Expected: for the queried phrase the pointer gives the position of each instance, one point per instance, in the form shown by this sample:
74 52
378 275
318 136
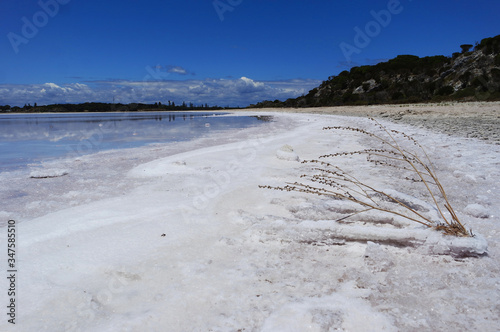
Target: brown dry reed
332 181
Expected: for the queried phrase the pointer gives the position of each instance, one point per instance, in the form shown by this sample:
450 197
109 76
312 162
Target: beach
180 237
472 119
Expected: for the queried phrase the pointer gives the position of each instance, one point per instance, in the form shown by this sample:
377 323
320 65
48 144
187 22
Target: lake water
31 138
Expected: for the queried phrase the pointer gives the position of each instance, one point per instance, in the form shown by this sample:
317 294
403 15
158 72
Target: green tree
466 47
445 90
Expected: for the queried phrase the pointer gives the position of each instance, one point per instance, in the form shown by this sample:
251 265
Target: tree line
108 107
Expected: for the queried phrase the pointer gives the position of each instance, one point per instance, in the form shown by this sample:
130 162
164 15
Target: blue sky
224 52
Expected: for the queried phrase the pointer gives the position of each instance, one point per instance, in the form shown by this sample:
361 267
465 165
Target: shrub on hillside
445 90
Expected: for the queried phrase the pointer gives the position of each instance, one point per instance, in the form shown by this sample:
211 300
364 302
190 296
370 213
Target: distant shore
466 119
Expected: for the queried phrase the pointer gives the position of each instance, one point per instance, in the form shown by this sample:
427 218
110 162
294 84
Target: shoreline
479 120
475 119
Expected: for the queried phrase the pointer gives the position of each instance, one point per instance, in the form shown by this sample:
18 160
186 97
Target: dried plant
332 181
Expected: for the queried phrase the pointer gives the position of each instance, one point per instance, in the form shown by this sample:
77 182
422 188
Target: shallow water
32 138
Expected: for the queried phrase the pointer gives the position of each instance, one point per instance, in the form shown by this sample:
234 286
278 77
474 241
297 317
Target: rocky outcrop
465 76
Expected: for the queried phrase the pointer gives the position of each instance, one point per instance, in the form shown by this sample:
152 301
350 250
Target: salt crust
188 242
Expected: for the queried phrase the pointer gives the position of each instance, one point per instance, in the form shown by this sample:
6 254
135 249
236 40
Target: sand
471 119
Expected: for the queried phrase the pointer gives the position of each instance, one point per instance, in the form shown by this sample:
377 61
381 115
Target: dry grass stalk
332 181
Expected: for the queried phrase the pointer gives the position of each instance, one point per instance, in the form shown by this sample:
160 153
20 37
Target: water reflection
27 138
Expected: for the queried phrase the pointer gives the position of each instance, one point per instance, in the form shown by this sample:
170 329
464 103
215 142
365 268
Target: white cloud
177 70
223 92
246 85
52 86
